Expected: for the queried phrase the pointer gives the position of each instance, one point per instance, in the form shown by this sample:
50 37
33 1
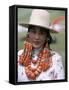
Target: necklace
42 63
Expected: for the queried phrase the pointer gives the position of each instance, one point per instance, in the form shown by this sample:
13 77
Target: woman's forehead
37 28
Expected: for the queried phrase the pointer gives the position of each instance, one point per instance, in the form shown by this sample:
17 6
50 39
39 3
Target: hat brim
27 26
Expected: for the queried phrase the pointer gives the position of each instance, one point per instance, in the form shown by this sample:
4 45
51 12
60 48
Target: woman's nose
37 36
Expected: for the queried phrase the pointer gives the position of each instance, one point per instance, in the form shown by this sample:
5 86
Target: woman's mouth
36 42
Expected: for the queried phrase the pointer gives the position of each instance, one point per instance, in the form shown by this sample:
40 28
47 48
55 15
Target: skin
37 37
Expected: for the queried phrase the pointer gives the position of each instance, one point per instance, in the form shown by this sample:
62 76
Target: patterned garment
56 72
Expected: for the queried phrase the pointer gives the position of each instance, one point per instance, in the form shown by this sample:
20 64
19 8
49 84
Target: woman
37 61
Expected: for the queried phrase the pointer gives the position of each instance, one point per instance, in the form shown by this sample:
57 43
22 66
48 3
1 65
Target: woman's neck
37 50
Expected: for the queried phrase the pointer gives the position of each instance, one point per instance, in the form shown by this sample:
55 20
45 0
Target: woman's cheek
43 38
31 36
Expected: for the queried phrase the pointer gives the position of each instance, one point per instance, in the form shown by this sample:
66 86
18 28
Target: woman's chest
46 75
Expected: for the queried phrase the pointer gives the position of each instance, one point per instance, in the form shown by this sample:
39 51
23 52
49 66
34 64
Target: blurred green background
59 46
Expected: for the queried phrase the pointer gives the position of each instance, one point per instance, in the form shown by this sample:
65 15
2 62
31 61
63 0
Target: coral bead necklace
33 68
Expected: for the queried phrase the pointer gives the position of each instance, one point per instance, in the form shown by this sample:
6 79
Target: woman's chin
36 46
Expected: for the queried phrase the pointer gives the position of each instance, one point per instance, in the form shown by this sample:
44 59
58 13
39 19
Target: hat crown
40 17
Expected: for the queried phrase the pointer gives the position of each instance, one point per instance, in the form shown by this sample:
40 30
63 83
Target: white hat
39 18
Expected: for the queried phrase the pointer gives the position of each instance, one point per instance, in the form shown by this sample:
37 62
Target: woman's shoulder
56 55
57 60
20 52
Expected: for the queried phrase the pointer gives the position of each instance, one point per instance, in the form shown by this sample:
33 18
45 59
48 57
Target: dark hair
49 37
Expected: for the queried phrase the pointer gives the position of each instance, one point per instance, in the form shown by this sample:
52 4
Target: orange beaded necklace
43 62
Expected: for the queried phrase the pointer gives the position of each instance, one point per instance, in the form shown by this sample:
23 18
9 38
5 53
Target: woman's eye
43 33
33 31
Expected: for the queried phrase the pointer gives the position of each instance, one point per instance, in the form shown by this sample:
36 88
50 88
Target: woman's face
37 37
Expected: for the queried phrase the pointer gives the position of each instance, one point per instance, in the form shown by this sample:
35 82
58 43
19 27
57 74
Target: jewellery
42 63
